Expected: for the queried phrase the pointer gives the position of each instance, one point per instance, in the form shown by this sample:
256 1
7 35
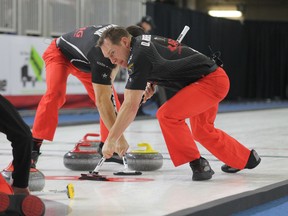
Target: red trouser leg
199 102
58 68
57 71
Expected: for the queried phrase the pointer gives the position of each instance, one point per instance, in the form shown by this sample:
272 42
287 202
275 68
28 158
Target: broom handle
183 33
125 162
100 163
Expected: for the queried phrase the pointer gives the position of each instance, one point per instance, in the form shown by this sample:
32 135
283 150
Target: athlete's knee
164 116
58 97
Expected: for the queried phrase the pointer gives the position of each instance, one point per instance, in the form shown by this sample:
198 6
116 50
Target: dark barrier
267 59
255 54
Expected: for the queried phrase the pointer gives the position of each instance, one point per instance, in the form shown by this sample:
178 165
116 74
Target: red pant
58 68
199 102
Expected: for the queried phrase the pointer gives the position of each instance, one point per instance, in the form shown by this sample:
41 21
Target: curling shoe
20 204
201 169
253 161
115 158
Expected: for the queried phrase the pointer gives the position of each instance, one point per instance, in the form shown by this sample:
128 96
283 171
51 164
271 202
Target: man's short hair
114 34
135 30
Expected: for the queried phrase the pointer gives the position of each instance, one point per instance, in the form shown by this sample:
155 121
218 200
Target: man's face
118 54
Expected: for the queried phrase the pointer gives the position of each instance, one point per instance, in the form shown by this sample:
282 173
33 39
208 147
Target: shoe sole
203 176
4 202
21 204
226 169
33 206
229 169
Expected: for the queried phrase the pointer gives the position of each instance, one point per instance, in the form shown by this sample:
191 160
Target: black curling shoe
201 169
253 161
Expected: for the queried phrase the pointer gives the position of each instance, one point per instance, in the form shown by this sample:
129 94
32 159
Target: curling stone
36 178
84 156
86 143
144 160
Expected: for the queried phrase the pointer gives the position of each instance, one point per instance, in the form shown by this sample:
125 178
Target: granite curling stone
144 160
84 156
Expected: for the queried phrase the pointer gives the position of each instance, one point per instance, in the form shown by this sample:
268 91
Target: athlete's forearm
104 104
126 114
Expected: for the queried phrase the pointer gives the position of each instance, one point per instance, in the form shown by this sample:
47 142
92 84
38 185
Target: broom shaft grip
100 163
183 33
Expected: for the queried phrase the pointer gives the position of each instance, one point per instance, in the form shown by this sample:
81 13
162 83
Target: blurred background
251 35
